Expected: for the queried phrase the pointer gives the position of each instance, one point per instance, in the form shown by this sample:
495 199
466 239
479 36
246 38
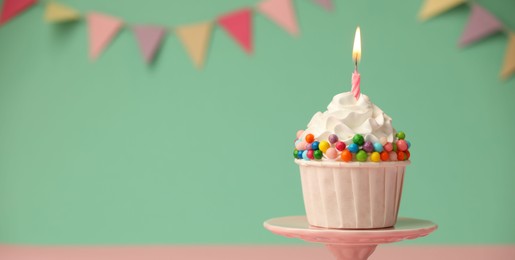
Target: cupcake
352 164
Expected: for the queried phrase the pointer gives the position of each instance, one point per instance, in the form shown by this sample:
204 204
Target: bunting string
481 24
103 28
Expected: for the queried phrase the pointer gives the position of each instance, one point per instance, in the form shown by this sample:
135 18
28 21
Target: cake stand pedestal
350 244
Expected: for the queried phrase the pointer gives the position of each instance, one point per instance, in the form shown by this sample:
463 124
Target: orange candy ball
346 156
385 156
401 156
310 138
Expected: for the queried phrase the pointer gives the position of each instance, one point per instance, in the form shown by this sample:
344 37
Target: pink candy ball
301 145
310 155
308 147
387 147
340 146
331 153
393 156
299 133
402 145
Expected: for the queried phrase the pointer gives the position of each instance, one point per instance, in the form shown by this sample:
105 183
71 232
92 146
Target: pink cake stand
350 244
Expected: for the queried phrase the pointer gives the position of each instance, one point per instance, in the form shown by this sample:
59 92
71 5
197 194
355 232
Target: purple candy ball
368 147
333 138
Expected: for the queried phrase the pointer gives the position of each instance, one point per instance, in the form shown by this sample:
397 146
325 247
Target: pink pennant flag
102 29
481 24
326 4
12 8
281 12
149 39
238 25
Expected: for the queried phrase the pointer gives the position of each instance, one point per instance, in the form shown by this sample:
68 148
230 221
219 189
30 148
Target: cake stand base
350 244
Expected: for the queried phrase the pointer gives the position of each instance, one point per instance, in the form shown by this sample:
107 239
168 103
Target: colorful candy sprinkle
385 156
375 157
401 156
361 156
358 139
333 138
388 147
401 135
310 138
340 146
393 156
314 145
378 147
346 156
318 154
299 155
310 155
295 153
323 146
409 144
408 155
402 145
305 155
353 148
331 153
368 147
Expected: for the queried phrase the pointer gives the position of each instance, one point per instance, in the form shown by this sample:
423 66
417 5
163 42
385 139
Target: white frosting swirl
346 116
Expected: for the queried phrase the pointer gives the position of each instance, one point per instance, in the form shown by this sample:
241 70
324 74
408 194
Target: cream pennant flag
56 12
195 39
432 8
102 29
509 59
282 13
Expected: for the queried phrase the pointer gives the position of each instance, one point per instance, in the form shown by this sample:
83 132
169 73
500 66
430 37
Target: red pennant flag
481 24
12 8
102 29
281 12
238 25
149 39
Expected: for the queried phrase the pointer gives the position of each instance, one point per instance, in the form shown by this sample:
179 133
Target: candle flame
356 50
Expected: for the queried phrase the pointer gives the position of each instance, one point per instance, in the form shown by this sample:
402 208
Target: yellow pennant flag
56 13
432 8
195 39
509 59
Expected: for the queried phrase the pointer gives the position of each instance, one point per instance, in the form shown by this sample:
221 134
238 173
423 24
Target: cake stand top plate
298 227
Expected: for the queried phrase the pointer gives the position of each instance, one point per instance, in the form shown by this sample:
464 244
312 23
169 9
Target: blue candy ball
353 148
299 154
378 147
305 155
314 145
409 143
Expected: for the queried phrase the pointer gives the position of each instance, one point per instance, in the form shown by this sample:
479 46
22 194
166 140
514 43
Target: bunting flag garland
238 25
149 39
326 4
195 39
102 29
12 8
481 24
509 60
435 7
281 12
56 13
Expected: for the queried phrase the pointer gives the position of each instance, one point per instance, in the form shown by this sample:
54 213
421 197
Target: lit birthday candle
356 56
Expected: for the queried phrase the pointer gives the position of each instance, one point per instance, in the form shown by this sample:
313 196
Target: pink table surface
233 252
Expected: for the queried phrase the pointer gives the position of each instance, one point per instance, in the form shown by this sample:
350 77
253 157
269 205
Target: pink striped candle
356 56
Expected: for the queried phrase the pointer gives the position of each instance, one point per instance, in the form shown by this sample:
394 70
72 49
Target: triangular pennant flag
196 40
238 25
56 12
509 59
281 12
481 24
102 29
12 8
432 8
327 4
149 39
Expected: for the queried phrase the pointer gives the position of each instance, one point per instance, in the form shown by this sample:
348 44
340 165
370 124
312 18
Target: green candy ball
361 156
358 139
295 153
318 154
401 135
394 146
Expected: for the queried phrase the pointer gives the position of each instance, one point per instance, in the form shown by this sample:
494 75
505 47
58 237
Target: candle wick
356 62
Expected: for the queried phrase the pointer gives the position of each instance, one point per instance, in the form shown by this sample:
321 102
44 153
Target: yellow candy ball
375 157
323 146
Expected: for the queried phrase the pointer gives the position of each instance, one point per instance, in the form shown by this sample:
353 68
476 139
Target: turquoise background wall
116 152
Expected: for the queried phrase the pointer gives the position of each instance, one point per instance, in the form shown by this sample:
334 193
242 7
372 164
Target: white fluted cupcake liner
354 195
